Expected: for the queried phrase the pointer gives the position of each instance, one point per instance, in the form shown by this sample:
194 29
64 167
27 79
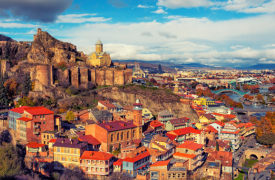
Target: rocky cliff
154 100
46 49
11 49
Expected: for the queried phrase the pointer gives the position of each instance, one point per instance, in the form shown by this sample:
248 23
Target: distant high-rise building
160 71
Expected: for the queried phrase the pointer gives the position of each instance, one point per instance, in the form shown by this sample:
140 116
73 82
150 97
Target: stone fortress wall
79 77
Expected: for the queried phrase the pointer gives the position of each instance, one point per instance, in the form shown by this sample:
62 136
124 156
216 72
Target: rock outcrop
150 102
11 49
46 49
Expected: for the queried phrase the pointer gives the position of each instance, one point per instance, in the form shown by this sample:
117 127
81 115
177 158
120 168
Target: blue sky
219 33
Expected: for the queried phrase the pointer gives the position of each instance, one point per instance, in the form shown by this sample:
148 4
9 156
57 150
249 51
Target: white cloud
144 6
248 6
269 45
199 39
159 11
262 59
18 25
80 18
236 47
184 3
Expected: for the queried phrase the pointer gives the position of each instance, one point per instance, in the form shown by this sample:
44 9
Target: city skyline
233 33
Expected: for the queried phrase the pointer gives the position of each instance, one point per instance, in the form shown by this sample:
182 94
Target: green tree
4 101
70 116
10 162
267 139
217 146
27 85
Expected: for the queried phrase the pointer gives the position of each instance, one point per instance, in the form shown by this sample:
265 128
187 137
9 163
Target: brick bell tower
137 112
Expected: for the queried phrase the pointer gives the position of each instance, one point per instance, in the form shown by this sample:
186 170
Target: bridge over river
251 111
240 93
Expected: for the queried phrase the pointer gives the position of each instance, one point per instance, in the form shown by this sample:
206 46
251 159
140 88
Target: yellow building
204 102
67 153
99 58
146 113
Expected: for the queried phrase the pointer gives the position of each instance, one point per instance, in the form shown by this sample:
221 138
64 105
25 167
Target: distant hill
260 66
6 38
169 66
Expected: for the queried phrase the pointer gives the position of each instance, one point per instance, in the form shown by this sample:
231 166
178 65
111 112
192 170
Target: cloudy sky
233 33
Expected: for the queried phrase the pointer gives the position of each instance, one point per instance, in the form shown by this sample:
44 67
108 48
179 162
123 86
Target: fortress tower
137 114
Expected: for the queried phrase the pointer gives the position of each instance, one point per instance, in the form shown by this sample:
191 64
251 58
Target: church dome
137 101
98 42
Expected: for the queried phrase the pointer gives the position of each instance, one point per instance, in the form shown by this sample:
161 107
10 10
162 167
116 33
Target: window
63 158
117 136
44 122
40 117
112 138
127 134
121 136
134 133
58 149
74 151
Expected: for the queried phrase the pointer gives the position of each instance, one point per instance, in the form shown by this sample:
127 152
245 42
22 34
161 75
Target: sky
231 33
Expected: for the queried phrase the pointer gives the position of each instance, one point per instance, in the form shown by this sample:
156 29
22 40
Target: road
241 150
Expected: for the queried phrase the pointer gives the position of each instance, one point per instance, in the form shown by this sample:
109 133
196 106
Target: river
236 98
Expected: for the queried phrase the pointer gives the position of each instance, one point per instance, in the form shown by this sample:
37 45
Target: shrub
72 90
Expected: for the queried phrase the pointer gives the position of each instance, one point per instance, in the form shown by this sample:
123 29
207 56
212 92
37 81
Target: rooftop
19 109
96 155
38 111
117 125
190 145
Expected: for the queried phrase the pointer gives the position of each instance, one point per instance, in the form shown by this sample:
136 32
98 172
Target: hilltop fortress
44 55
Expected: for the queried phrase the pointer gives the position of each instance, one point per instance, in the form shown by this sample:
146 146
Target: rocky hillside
46 49
6 38
155 100
13 50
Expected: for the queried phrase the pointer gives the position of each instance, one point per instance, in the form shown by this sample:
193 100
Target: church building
99 58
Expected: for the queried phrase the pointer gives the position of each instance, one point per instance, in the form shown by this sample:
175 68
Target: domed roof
137 101
98 42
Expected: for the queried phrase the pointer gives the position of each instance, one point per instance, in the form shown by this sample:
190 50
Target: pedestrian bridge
251 111
240 93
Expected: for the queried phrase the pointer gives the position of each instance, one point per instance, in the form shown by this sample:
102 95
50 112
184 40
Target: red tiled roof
190 145
184 155
186 130
19 109
38 110
118 162
210 129
136 158
24 119
34 145
52 141
171 136
219 123
156 123
96 155
161 163
117 125
90 139
107 104
179 120
209 116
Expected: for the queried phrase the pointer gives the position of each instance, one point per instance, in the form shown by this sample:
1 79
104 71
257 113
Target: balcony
36 132
36 126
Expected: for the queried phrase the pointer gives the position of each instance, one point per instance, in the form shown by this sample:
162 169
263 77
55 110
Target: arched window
127 134
117 136
112 138
134 133
121 136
